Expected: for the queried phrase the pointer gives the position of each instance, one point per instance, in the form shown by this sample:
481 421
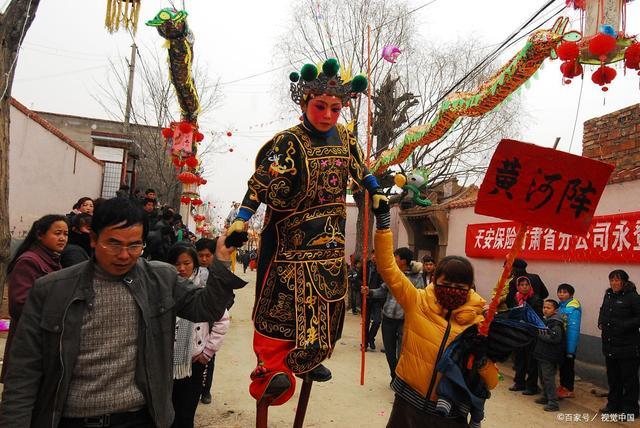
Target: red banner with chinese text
544 187
611 238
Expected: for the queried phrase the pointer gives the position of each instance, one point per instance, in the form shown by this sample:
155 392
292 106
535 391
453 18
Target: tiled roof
52 129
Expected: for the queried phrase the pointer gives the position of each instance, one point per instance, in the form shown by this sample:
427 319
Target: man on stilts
302 176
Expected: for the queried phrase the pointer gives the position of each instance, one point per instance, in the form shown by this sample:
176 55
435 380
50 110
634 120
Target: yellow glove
377 199
238 225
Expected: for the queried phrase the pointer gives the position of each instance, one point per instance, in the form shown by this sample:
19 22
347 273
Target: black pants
622 376
374 319
206 385
392 340
185 397
526 368
404 415
567 373
354 298
547 372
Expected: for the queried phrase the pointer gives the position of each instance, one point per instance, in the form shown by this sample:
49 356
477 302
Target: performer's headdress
309 82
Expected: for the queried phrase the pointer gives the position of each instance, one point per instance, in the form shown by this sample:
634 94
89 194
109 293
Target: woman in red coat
38 255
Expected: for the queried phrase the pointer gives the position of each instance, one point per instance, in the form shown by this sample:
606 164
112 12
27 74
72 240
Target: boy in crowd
571 313
549 352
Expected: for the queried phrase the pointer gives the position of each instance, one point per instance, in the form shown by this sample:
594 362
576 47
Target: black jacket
550 344
619 320
48 337
534 301
536 283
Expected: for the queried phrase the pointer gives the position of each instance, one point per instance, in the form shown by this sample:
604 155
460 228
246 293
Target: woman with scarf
447 310
38 255
526 377
195 344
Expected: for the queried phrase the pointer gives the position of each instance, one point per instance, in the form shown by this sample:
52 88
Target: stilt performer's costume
302 175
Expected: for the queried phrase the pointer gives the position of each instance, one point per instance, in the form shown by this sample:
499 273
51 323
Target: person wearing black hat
520 269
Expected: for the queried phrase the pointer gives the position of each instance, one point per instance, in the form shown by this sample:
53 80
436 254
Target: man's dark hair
146 192
555 304
455 269
80 220
149 200
167 214
405 254
115 211
206 244
428 259
568 288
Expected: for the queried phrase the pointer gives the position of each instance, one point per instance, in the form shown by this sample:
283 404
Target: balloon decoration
391 53
122 13
414 183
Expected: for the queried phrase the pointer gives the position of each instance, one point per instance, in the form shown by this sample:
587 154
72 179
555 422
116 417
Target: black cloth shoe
516 387
607 409
279 384
372 345
319 374
531 392
205 399
541 400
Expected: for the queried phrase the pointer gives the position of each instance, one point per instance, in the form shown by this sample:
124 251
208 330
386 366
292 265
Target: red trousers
271 354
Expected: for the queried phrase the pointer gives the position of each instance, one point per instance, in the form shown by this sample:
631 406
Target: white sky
66 51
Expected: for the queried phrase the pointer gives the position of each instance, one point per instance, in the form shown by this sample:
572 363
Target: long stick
506 272
365 240
303 401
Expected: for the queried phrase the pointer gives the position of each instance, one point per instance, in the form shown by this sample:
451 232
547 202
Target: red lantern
185 127
632 56
229 134
601 44
198 218
570 69
198 136
185 200
203 181
176 161
568 51
187 178
603 76
231 149
167 132
196 202
191 162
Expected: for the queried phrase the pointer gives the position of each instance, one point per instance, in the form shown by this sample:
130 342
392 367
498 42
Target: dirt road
342 402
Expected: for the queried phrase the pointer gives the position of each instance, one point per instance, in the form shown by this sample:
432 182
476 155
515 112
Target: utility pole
127 115
132 69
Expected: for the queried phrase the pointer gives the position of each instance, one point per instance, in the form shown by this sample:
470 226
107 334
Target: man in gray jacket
94 347
392 312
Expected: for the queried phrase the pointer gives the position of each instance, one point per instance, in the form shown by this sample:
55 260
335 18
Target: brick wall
614 138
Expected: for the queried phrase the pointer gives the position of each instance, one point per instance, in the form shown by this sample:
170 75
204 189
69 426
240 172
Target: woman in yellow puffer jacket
434 317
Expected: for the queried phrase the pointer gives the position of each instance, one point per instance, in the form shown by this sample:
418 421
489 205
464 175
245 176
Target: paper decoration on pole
172 25
542 187
414 183
123 13
611 239
391 53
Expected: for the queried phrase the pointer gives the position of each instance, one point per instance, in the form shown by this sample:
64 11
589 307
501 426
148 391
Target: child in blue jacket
571 313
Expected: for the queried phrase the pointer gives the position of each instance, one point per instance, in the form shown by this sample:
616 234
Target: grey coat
392 308
48 337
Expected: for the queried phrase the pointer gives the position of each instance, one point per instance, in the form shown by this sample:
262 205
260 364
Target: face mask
451 298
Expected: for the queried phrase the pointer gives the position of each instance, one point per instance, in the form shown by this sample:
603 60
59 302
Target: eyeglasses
114 249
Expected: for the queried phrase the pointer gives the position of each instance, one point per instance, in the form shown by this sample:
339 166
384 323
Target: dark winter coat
550 345
534 301
538 286
619 321
48 339
31 265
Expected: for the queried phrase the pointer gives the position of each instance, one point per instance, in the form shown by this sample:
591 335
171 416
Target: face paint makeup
323 112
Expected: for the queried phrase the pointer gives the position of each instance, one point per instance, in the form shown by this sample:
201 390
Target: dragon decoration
122 13
182 137
599 49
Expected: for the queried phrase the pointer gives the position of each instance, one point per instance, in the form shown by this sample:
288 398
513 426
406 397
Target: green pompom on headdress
328 82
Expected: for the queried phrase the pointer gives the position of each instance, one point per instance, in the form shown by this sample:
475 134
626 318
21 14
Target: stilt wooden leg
303 401
262 413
